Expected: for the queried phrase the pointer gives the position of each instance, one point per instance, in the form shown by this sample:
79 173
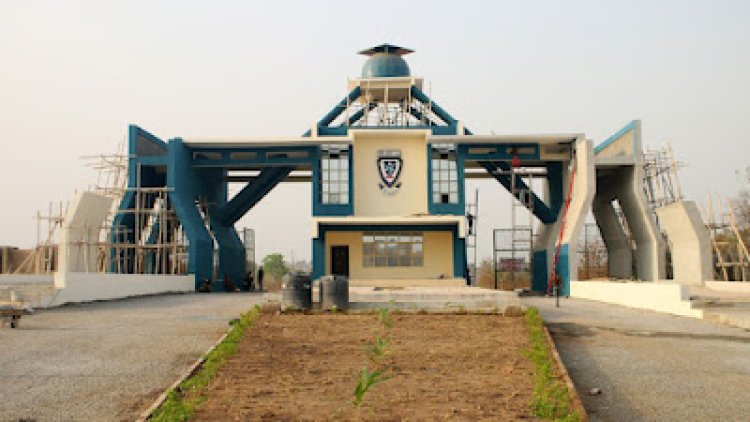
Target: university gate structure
387 167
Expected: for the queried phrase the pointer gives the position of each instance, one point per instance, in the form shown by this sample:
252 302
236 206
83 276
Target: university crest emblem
389 168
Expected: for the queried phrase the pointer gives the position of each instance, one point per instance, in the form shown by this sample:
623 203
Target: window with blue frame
334 175
444 174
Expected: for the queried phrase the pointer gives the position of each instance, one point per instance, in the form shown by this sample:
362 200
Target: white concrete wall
80 232
25 279
87 287
623 147
669 298
36 290
729 286
690 242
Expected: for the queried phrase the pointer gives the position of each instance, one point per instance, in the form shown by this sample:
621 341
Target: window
398 249
334 175
444 174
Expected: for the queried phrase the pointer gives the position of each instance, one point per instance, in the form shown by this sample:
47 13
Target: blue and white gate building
387 167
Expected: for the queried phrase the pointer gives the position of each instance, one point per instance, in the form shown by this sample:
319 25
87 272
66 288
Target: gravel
108 360
650 366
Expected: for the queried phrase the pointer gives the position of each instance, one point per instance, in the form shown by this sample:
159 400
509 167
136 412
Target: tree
274 265
741 206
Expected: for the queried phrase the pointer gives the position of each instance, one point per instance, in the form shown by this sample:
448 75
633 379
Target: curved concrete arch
619 164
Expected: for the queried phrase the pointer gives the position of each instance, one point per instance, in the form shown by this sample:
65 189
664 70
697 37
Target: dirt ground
302 367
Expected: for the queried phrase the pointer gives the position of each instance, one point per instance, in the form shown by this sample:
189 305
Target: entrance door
340 260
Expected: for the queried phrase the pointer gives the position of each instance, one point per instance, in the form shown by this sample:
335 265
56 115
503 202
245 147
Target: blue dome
385 65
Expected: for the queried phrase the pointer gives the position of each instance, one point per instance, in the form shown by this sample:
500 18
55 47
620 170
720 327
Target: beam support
436 109
340 107
251 194
537 206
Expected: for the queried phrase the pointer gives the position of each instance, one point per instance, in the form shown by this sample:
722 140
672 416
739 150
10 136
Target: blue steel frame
200 173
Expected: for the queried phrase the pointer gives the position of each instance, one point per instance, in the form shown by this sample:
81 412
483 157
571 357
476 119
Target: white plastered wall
79 233
411 197
88 287
671 298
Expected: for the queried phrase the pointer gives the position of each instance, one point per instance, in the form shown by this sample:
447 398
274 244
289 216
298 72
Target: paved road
109 360
651 366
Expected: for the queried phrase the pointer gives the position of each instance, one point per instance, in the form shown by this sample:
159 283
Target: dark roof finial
386 48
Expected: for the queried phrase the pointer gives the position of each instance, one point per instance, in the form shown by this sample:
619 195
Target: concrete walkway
650 366
108 360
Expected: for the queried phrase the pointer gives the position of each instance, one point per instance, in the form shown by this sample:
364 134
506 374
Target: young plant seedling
379 349
367 380
384 316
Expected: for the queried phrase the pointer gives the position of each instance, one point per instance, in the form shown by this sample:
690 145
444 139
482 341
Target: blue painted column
563 270
319 254
540 276
231 249
184 187
459 255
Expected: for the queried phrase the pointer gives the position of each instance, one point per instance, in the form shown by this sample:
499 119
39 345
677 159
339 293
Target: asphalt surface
110 360
650 366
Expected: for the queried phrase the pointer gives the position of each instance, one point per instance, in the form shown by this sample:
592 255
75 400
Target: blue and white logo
389 168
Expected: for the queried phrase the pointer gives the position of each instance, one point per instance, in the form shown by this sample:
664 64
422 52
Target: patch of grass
182 401
551 397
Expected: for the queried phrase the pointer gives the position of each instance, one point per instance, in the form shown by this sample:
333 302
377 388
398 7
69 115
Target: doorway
340 260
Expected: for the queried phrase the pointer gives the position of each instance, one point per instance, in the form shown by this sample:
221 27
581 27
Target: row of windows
392 249
334 175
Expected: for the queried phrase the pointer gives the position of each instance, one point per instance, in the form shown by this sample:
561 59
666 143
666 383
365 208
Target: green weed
367 380
551 397
384 316
377 353
181 402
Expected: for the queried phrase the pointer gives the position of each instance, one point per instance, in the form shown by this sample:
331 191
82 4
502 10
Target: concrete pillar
619 253
650 252
584 189
689 240
184 189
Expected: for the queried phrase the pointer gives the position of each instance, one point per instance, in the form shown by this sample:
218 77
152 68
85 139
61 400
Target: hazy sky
74 74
